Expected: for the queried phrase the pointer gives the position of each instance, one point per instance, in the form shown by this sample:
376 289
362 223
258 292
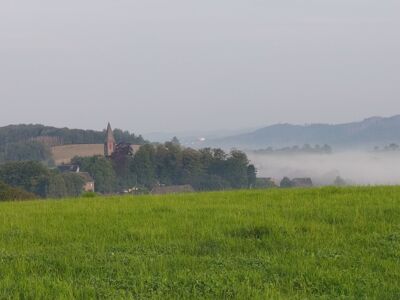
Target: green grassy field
280 244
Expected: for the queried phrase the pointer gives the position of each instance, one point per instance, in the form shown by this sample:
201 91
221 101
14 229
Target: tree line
169 164
24 151
36 179
152 165
22 133
393 147
305 149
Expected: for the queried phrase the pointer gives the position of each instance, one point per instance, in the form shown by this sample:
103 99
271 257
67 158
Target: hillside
36 142
368 133
278 244
65 136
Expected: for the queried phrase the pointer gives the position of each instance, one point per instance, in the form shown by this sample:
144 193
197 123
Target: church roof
110 134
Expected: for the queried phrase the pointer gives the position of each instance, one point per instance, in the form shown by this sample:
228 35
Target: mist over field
355 167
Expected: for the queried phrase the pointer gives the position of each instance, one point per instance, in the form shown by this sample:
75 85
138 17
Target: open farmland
64 154
282 244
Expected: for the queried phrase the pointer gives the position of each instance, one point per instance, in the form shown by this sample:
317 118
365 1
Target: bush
339 181
265 183
31 176
286 183
89 195
8 193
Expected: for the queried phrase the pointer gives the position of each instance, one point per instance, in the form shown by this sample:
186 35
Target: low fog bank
357 168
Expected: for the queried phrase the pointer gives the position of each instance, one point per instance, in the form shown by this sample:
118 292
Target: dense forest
23 151
32 142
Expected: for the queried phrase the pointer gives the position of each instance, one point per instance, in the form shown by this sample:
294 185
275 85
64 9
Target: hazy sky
177 65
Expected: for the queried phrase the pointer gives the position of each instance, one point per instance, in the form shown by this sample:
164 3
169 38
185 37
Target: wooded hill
31 142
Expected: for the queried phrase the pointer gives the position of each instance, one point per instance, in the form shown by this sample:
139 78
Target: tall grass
282 244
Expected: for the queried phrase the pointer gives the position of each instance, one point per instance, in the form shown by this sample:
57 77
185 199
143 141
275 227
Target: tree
31 176
8 193
127 137
101 170
64 185
24 151
251 176
24 133
73 183
286 183
339 181
205 169
264 183
169 163
217 162
192 168
175 141
209 182
236 169
122 159
327 149
35 178
57 187
144 166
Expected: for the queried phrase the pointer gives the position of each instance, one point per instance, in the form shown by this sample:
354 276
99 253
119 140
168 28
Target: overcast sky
178 65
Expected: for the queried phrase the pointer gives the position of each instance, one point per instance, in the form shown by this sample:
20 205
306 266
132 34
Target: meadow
320 243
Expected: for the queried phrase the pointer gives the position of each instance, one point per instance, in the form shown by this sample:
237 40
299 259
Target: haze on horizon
197 65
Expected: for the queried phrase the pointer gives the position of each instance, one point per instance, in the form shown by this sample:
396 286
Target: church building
109 144
63 154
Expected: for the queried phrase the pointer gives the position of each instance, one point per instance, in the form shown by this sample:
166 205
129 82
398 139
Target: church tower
109 144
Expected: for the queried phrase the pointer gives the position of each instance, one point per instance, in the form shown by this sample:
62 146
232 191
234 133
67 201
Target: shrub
286 183
8 193
89 195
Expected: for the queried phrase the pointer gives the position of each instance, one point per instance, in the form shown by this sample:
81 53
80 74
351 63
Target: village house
69 168
88 181
302 182
266 182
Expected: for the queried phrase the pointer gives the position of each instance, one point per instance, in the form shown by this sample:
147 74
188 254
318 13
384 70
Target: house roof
68 168
86 176
302 182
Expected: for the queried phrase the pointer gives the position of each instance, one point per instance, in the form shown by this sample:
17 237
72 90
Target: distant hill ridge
374 131
28 132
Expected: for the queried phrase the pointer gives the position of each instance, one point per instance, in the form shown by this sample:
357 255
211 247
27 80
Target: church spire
110 134
109 145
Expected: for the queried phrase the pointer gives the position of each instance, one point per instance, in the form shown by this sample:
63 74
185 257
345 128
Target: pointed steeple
110 134
109 144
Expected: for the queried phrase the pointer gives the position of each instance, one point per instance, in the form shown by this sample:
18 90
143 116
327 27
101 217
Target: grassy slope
250 244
